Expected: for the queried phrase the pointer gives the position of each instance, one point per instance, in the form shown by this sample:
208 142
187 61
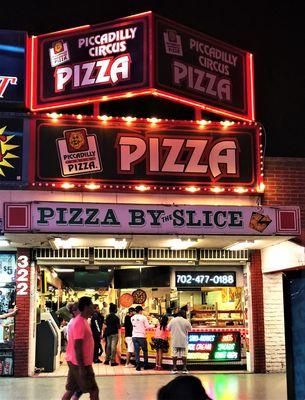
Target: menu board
7 268
214 346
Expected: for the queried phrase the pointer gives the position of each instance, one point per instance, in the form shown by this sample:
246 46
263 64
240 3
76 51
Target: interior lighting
54 115
104 118
68 185
59 243
92 186
4 243
142 188
153 120
63 270
192 189
79 116
261 187
118 244
245 245
179 244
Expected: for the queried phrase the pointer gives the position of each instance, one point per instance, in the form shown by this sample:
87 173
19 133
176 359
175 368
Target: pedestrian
112 335
74 311
160 341
80 351
182 388
96 323
179 328
104 309
139 326
9 314
128 336
64 312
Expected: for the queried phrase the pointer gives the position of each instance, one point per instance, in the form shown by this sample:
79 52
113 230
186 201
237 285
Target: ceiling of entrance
141 241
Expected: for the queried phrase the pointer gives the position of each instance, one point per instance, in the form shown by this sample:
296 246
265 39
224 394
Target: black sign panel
195 66
171 153
12 68
13 150
86 64
205 279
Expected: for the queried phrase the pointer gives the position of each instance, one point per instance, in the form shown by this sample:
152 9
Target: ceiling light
63 270
4 243
67 185
179 244
142 188
245 245
92 186
59 243
192 189
118 244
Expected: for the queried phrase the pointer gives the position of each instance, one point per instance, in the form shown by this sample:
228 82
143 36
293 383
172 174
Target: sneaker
185 371
138 368
129 366
174 371
106 362
97 361
114 364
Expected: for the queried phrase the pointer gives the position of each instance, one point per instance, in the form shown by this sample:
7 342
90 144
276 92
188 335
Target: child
160 341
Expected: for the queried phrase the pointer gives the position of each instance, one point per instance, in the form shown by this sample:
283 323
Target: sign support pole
96 109
198 115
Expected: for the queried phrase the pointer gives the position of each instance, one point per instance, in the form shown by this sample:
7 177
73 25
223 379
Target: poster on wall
171 153
84 64
6 363
12 68
194 66
14 133
7 268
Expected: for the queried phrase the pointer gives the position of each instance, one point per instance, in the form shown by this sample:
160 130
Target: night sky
272 30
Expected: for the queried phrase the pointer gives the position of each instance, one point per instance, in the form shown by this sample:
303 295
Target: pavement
219 386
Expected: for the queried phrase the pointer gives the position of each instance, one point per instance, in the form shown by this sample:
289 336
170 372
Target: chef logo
172 43
59 53
259 222
78 153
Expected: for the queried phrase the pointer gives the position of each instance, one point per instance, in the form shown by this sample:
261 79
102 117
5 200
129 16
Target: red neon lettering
4 82
227 338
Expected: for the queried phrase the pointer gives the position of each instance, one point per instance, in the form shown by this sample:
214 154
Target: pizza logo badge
59 53
5 151
173 44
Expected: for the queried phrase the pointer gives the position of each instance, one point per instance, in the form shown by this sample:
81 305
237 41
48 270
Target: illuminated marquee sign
14 134
204 70
85 64
140 55
174 154
206 278
12 68
214 346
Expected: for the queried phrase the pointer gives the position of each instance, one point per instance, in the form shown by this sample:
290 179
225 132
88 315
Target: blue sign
12 68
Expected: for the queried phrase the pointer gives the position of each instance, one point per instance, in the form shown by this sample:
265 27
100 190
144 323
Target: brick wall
285 185
22 319
256 279
274 322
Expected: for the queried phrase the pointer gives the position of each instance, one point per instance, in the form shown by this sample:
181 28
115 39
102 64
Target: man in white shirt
139 326
179 327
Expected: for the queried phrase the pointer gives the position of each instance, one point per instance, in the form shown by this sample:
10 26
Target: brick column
22 319
256 278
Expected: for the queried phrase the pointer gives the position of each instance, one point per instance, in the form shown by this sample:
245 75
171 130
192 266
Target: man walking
128 336
97 321
139 326
112 335
179 328
80 354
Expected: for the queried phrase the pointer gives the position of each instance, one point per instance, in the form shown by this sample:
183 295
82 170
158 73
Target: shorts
179 352
159 344
81 378
130 346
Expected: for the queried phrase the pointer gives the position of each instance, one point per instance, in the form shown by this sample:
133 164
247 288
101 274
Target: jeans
112 342
140 343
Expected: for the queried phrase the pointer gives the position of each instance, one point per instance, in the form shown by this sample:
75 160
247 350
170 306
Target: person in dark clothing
112 335
97 322
183 387
128 336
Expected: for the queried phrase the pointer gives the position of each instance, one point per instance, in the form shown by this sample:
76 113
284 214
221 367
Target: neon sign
218 346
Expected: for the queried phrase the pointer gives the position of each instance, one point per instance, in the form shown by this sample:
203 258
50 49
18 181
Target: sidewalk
144 387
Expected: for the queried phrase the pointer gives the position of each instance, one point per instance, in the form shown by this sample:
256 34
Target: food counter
222 347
